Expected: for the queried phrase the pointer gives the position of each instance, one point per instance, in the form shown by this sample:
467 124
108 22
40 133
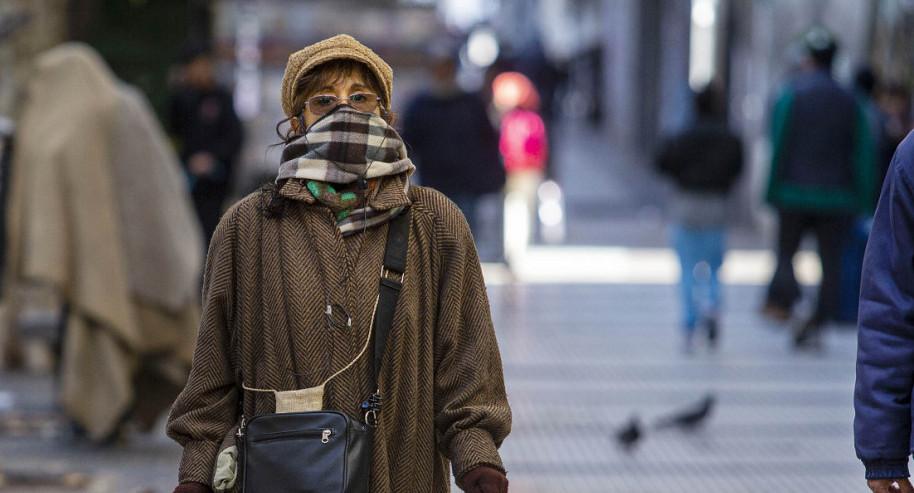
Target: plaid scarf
343 145
338 149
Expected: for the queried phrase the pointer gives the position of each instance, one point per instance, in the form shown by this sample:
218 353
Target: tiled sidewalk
580 360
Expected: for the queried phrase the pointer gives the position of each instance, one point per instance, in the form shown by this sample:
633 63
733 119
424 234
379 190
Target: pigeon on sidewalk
689 418
629 435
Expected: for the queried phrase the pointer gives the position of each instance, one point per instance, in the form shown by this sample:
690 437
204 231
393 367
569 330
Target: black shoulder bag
325 451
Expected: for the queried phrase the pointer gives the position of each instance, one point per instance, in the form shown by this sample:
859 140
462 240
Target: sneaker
808 336
711 326
776 312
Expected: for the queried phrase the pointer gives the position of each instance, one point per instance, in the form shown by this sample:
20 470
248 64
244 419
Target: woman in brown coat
284 257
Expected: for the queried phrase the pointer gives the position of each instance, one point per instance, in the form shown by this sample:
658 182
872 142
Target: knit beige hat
340 46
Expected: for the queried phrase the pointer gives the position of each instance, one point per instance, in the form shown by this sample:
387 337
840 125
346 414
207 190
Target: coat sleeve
472 415
780 128
885 349
864 162
207 407
413 128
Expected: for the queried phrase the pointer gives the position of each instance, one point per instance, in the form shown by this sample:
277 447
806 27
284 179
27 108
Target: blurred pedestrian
291 289
885 349
451 139
866 90
704 161
524 148
821 176
202 120
895 102
99 214
547 77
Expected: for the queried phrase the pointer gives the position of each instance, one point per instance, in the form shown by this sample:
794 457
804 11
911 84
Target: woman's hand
484 479
889 485
193 488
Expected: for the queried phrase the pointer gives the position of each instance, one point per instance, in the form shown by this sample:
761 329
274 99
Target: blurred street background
585 303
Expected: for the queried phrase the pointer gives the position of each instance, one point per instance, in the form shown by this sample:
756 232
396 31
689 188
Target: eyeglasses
360 101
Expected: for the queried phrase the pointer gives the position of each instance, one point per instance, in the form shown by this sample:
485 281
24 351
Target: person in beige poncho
282 256
99 213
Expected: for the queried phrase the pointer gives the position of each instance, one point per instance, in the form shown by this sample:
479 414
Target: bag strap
392 274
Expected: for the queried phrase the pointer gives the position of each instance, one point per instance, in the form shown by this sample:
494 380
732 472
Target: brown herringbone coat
264 298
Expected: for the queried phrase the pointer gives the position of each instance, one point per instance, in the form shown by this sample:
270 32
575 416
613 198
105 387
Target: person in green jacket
822 173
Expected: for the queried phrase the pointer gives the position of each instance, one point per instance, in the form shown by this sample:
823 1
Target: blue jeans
701 253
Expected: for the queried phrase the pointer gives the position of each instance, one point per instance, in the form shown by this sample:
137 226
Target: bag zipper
324 435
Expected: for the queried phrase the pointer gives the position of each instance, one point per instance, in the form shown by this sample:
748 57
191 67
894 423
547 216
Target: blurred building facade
626 65
644 45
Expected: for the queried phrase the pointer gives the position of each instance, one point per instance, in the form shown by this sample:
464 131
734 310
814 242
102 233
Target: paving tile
580 360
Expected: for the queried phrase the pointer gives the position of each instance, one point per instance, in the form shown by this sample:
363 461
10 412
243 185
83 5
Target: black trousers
832 232
209 197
